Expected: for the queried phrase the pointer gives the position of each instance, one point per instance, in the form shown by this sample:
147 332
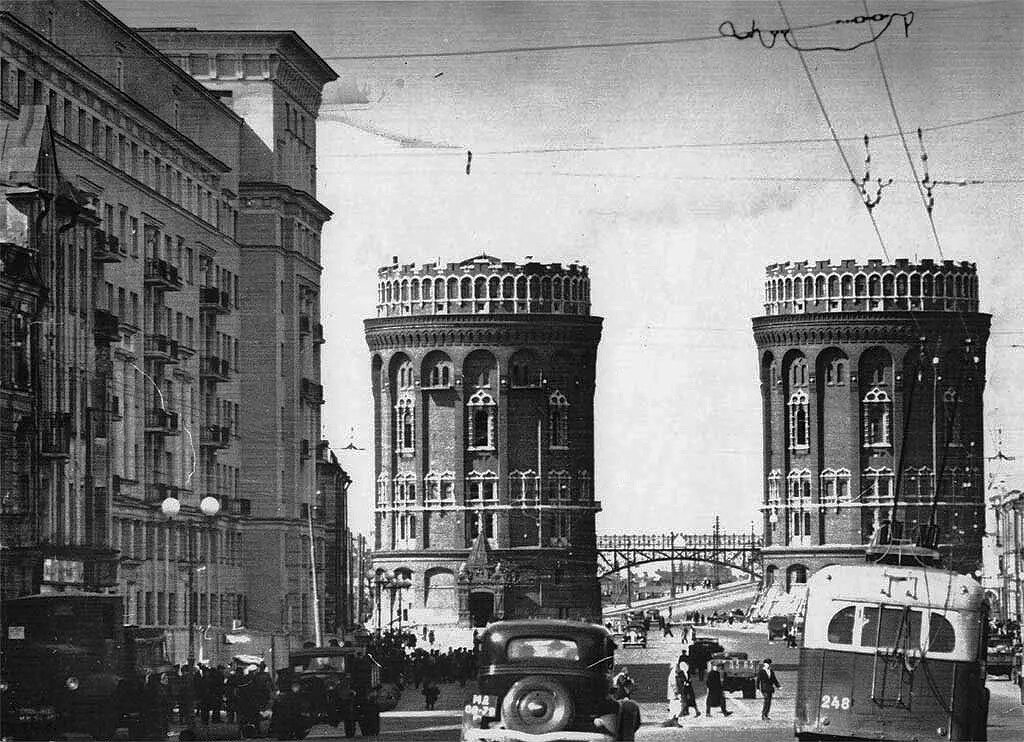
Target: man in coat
716 696
766 683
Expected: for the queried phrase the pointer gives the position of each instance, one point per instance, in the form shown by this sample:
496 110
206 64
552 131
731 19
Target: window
584 487
439 489
835 372
524 487
876 413
440 373
835 487
404 416
899 628
481 408
559 486
799 425
774 491
799 503
840 628
941 637
558 420
525 371
482 487
119 74
950 403
382 490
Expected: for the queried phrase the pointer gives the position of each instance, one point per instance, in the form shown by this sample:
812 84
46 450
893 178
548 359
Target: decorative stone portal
481 587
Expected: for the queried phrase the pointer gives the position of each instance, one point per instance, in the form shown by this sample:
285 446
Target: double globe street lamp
209 507
392 582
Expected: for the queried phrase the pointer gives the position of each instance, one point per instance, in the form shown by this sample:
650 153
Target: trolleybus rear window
899 627
840 628
940 634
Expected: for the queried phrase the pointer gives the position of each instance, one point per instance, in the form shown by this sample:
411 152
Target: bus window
899 627
940 634
840 628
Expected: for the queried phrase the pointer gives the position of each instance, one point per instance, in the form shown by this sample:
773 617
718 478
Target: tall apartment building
178 345
871 380
483 388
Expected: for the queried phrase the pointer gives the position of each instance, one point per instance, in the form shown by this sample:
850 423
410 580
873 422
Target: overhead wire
902 135
835 137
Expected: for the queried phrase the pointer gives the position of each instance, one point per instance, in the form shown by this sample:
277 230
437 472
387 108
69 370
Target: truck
71 666
738 672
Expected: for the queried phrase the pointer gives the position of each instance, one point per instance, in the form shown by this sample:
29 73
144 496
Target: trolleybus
893 651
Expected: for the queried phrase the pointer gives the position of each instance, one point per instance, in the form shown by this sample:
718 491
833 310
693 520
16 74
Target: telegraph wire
835 137
903 138
460 152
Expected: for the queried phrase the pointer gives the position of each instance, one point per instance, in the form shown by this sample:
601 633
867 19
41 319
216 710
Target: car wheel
350 727
537 705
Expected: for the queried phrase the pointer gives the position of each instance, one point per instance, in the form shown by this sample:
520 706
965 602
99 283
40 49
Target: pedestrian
666 628
623 684
767 683
675 703
629 718
716 695
430 637
687 697
431 692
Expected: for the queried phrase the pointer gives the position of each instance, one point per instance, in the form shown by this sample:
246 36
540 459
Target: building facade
483 389
177 348
871 379
1008 509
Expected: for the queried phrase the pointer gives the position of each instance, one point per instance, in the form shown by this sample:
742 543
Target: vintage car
327 685
1000 655
739 672
541 681
634 635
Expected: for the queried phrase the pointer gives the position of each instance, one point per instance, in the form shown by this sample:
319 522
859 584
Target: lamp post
209 507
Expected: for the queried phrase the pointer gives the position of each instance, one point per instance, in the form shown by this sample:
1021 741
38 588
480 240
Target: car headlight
3 686
296 687
71 683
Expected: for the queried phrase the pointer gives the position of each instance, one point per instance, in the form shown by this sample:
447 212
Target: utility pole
672 563
715 554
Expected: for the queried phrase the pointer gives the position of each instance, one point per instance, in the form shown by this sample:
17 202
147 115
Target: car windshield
523 649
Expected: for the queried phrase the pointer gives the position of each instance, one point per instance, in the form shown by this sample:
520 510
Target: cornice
865 327
481 330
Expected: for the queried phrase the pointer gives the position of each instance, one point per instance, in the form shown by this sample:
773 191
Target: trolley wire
835 137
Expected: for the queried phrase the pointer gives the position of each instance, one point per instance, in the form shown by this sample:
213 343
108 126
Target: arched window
481 412
877 415
405 377
835 487
438 370
524 487
799 504
439 488
404 416
558 420
482 487
950 406
799 426
382 490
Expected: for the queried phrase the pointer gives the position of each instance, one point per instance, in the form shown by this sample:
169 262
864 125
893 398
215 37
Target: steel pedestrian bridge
740 551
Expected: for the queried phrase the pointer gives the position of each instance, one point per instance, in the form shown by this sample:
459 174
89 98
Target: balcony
161 348
160 422
157 490
18 263
56 436
214 301
106 248
215 369
215 436
162 275
106 327
312 392
318 334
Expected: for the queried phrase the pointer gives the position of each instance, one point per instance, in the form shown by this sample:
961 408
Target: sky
676 172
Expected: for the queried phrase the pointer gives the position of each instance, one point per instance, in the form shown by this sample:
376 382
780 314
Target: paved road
410 723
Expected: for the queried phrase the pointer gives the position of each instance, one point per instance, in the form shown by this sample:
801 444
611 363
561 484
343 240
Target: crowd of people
203 694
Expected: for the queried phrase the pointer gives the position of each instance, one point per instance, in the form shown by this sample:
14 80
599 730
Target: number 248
835 702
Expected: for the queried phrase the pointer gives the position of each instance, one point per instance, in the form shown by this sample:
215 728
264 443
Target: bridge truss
740 551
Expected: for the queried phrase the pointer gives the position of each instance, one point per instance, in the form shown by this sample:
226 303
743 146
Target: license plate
481 706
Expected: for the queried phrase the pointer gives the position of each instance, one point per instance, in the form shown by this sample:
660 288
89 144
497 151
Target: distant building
871 379
483 388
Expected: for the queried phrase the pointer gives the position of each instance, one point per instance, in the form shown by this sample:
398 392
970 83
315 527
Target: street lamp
209 507
391 582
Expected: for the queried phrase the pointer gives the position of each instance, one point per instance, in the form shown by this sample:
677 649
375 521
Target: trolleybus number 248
829 701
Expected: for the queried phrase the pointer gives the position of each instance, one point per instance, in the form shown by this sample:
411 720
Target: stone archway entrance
481 608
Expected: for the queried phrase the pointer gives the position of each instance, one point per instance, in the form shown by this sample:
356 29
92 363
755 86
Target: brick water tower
871 378
483 390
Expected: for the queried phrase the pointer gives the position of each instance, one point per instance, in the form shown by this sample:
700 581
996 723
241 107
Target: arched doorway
795 575
481 608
